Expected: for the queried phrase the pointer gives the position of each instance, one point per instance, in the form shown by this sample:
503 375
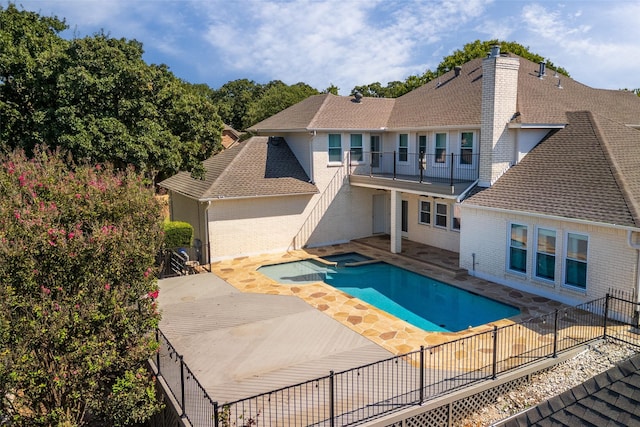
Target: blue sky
356 42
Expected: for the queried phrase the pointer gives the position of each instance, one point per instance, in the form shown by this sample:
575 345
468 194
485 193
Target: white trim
508 268
554 217
564 262
436 215
420 211
534 262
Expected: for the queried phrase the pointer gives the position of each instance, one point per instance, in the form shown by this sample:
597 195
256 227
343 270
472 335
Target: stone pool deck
391 333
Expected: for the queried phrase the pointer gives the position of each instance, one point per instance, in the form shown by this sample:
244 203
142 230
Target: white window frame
525 249
566 258
473 150
444 162
422 211
538 252
401 148
329 148
360 148
437 215
455 221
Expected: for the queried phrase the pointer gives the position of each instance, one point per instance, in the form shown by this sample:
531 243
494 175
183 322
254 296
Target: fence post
331 400
606 315
182 384
215 414
495 352
158 351
421 374
555 334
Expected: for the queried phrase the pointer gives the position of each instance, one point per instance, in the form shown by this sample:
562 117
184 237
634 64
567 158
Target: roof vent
559 84
542 71
495 51
357 97
457 69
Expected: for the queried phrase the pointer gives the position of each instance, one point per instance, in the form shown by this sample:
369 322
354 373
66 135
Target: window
375 151
403 147
441 214
356 147
576 261
425 212
455 217
405 216
441 147
335 147
546 254
422 151
466 148
518 248
422 144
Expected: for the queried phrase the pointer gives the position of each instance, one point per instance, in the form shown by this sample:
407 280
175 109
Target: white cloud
344 42
596 45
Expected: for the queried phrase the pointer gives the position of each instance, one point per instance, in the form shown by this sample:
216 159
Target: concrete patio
243 334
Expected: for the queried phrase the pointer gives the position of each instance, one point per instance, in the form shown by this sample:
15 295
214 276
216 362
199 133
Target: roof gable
586 171
330 112
258 167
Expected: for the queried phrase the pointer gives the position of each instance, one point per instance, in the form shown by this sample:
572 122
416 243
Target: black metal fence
366 392
422 167
181 261
193 401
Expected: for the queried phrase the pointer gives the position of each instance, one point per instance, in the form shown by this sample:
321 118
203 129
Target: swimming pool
429 304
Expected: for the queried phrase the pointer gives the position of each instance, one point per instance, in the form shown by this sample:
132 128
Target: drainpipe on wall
636 246
206 233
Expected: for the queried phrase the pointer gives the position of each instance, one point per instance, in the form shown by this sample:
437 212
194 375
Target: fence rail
356 395
422 167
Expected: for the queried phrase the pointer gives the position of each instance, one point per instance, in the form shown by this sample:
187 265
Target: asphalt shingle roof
452 100
589 170
611 398
253 168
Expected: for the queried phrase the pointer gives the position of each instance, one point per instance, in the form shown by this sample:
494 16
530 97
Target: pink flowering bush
77 293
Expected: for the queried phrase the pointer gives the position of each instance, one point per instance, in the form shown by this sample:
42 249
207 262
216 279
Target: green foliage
476 49
242 103
276 97
96 98
77 308
177 234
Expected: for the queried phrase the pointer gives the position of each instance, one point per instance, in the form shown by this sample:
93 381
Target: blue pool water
424 302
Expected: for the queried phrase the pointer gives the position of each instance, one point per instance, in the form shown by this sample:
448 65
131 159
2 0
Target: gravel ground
550 383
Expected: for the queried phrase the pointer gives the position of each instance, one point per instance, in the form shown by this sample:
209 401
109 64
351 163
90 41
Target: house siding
182 208
253 226
611 262
444 238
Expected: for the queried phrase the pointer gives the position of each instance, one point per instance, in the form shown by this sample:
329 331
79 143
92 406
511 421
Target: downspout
311 139
206 233
635 246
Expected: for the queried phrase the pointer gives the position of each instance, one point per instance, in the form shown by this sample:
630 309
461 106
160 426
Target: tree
77 292
233 99
30 53
473 50
96 98
276 97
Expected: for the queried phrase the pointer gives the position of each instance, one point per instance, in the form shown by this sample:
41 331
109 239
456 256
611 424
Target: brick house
533 178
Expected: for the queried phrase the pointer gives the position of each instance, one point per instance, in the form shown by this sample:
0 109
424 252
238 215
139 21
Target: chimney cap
495 51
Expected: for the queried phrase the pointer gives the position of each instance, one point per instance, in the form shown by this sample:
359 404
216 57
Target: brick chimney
499 104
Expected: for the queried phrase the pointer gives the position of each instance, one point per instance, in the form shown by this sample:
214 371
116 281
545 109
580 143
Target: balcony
441 174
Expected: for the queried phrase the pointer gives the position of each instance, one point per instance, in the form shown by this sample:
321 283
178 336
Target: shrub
77 293
177 234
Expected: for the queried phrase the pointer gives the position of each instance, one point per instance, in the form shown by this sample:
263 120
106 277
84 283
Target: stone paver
393 334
